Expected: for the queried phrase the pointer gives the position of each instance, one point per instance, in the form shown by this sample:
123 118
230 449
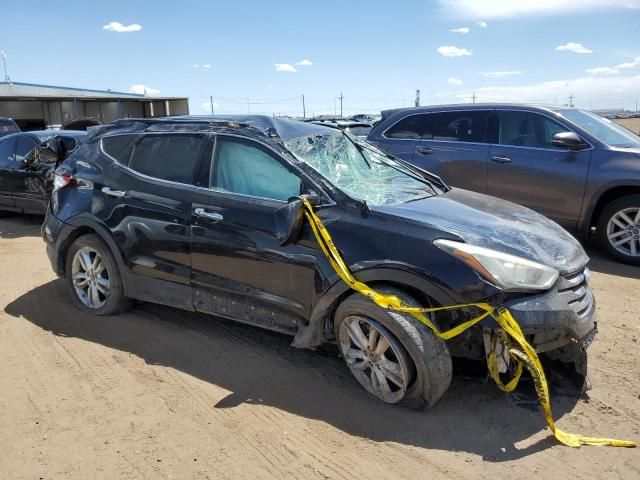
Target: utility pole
571 97
304 110
211 101
4 63
473 97
341 98
417 98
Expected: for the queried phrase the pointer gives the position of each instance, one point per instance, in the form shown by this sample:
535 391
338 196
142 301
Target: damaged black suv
202 213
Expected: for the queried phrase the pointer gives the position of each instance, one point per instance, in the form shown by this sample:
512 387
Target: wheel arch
606 195
82 227
319 330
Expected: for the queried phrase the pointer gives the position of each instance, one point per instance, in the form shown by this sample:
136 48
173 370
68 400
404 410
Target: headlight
506 271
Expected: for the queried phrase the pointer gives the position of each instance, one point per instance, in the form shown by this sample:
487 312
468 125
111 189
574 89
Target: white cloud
143 90
482 24
603 90
454 81
506 73
451 51
634 63
602 71
204 65
304 63
119 27
460 30
499 9
285 67
573 47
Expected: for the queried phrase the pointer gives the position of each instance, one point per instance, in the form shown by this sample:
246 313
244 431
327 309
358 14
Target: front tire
93 278
619 229
392 355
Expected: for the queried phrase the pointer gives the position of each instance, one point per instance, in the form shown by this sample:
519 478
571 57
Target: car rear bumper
53 234
562 317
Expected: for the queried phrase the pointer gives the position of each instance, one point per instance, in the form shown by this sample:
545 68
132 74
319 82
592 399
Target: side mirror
568 140
289 221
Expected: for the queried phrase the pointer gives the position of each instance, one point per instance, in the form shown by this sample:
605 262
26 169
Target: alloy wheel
375 358
623 231
90 277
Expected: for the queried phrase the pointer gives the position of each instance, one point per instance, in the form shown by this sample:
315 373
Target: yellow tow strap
524 356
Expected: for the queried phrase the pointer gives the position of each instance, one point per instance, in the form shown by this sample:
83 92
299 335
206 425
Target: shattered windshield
360 170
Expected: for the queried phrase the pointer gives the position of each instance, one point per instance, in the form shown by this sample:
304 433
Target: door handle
425 151
113 193
204 213
499 159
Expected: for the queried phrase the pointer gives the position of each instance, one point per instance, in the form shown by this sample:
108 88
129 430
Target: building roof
32 91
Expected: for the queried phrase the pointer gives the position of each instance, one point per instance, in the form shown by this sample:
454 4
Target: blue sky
376 53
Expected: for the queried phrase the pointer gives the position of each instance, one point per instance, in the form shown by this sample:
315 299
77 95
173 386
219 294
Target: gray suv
575 167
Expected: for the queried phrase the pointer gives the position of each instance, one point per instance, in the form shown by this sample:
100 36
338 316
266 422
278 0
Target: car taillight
61 180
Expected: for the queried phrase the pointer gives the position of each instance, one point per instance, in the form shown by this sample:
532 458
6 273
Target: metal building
40 106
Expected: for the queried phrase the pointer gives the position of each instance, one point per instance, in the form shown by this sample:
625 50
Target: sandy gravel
159 393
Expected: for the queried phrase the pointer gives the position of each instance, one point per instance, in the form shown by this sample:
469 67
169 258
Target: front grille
574 289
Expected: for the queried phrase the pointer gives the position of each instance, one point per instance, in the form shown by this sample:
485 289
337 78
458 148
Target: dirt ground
159 393
632 124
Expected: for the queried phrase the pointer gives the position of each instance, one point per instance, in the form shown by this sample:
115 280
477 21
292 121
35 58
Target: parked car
357 128
27 162
7 127
365 117
575 167
204 214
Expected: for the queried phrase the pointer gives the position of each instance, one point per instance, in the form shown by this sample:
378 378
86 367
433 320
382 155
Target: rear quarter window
119 147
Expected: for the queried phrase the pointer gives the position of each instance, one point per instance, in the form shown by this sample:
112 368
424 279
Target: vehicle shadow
18 226
261 367
602 263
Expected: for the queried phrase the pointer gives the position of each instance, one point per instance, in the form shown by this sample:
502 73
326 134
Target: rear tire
422 357
93 277
619 229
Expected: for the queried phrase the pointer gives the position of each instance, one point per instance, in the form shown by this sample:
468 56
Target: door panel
7 164
457 148
30 189
148 213
526 169
239 269
460 164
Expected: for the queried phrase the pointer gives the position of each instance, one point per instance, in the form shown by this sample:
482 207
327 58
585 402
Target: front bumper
562 317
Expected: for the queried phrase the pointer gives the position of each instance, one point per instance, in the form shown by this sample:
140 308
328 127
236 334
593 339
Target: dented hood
497 224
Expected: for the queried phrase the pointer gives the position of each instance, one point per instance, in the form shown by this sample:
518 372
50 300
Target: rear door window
172 157
247 168
7 127
7 150
528 129
24 146
461 126
413 127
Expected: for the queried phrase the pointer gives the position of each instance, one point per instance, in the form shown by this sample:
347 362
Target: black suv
573 166
202 214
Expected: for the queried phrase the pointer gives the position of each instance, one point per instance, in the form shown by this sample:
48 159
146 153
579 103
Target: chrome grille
574 289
